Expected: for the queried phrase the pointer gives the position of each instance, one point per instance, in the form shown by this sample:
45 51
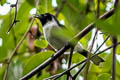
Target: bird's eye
45 15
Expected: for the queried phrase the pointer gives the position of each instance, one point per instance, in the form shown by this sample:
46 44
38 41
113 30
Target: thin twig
87 6
63 49
108 48
69 62
114 41
88 57
14 20
98 8
10 20
60 8
102 44
75 76
116 3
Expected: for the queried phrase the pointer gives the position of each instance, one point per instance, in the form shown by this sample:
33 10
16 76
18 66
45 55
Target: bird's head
45 18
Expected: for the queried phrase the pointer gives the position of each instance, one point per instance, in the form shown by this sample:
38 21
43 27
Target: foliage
35 50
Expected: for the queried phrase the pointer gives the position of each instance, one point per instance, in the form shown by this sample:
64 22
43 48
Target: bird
51 26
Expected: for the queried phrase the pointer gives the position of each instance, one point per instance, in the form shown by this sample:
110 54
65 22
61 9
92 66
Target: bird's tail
96 59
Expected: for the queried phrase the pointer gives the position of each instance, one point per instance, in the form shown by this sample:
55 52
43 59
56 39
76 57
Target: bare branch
114 41
102 44
116 3
14 20
75 76
69 63
108 48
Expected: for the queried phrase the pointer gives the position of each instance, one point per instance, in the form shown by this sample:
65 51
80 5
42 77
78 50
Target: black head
44 18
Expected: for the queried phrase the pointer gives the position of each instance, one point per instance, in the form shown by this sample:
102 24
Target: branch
75 76
102 44
63 49
108 48
116 3
88 57
87 6
114 41
69 63
14 20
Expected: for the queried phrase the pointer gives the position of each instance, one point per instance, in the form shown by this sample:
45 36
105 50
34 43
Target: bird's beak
38 16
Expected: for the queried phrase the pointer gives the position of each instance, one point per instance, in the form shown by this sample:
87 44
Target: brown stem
69 63
114 41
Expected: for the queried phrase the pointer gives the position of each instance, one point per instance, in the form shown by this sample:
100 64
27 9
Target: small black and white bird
50 26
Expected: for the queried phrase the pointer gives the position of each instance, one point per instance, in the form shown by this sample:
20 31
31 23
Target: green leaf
118 49
95 69
44 75
104 76
7 40
31 2
117 68
91 76
76 18
112 24
15 71
41 43
2 2
2 70
45 6
36 60
77 58
107 65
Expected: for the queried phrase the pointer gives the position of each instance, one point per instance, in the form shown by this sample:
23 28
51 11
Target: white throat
48 27
50 24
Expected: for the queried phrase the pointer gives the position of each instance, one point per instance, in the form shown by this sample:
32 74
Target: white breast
49 34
